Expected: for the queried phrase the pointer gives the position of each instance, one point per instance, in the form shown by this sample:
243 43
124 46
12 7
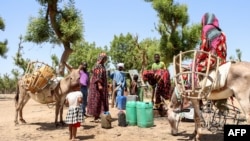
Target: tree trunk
67 51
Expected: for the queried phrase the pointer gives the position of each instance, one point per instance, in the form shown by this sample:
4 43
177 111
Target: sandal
97 120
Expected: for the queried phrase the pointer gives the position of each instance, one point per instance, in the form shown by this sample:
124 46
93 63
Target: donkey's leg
245 106
197 119
57 108
61 111
61 115
17 112
25 99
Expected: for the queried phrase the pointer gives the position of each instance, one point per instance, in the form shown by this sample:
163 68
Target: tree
18 59
134 54
85 52
59 26
176 34
3 45
55 61
144 51
7 85
238 52
122 50
238 55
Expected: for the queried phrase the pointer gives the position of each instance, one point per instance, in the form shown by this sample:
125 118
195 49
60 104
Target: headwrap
209 19
102 56
120 65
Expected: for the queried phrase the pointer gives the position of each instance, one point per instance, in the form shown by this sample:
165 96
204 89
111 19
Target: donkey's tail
16 98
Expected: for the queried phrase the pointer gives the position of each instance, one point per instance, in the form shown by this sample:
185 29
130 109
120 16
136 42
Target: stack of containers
139 113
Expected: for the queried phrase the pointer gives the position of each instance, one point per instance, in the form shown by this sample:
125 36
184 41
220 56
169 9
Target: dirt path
40 127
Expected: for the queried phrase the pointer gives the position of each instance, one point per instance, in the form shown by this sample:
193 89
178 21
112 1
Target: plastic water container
145 116
106 120
131 117
121 101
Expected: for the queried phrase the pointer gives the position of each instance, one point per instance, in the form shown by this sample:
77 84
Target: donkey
236 84
49 94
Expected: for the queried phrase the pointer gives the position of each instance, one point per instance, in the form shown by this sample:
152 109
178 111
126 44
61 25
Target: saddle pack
37 76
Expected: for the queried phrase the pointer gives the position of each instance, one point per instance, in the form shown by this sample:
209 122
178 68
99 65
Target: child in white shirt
74 115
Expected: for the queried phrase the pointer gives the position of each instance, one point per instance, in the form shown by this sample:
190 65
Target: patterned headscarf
209 19
102 58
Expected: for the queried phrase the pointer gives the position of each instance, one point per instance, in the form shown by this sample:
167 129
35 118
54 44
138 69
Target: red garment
213 41
78 124
160 78
98 100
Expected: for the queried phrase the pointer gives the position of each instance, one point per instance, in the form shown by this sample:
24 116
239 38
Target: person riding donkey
213 40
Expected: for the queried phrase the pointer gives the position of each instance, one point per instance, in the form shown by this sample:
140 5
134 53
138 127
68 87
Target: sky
105 18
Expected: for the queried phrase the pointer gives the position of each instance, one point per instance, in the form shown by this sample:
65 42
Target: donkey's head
174 111
71 81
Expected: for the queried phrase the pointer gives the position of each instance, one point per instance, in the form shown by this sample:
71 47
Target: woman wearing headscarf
213 40
98 93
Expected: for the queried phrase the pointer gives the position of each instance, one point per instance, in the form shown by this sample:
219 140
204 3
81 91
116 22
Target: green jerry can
131 115
145 116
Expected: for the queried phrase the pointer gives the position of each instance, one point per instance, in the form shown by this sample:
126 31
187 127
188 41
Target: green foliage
38 31
7 84
70 24
16 74
3 45
55 61
176 34
121 49
126 49
3 49
150 47
2 25
85 52
57 25
18 59
238 56
134 54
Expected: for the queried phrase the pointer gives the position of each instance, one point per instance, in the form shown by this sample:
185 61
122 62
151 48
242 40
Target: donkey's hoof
16 123
22 120
61 123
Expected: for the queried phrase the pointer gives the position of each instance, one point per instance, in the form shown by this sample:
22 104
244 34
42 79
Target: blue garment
84 90
120 81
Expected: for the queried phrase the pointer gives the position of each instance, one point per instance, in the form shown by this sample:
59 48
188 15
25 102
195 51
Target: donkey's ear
68 67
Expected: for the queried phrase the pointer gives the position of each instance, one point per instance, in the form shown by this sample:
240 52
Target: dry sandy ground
40 127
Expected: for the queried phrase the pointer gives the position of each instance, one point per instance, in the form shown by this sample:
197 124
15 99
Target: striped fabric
213 40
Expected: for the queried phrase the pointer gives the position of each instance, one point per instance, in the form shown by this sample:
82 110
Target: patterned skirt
74 115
